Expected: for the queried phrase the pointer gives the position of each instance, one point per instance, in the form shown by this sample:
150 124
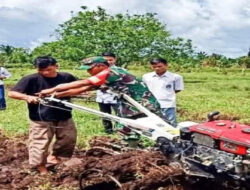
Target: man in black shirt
46 121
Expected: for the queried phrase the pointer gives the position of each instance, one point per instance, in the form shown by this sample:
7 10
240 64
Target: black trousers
107 108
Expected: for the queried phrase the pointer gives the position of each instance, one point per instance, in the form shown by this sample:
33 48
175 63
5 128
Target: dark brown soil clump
108 165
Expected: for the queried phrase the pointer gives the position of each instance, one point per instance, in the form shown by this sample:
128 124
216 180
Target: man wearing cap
105 98
164 85
116 79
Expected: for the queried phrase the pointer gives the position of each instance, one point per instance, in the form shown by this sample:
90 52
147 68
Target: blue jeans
2 98
169 115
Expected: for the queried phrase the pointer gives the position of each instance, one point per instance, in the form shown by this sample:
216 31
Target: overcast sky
214 26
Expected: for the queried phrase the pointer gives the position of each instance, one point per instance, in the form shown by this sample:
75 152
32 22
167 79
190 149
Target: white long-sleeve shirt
4 73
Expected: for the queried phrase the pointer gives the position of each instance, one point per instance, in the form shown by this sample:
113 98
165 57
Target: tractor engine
213 148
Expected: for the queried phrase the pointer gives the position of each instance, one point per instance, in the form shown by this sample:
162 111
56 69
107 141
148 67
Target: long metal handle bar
124 121
141 108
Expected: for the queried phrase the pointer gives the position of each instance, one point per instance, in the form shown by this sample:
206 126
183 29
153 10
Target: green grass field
227 91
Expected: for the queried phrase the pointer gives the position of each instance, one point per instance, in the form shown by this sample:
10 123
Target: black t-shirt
34 83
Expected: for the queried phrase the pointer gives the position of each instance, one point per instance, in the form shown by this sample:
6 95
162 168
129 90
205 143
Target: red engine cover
233 137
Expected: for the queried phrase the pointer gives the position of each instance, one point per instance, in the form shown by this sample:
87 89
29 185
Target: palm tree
7 49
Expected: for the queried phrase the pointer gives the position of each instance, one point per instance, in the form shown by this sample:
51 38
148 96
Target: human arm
65 87
23 90
74 91
178 83
21 96
147 79
93 81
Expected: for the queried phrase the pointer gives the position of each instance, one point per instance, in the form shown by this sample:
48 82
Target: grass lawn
227 91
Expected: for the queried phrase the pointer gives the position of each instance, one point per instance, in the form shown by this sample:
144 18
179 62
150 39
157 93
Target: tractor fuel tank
230 136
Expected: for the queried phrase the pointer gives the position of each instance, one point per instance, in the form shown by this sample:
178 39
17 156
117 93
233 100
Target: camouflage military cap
91 61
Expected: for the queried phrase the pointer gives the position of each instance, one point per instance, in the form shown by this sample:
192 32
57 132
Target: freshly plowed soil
108 165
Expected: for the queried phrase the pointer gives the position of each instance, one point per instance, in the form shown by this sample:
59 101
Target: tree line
134 38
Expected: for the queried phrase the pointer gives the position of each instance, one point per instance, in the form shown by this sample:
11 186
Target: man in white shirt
3 75
106 99
164 85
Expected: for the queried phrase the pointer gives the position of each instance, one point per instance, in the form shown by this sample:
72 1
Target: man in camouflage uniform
121 81
114 78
